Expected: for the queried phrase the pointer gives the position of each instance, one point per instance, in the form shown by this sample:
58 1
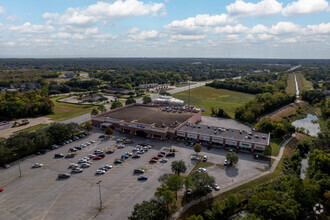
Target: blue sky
165 28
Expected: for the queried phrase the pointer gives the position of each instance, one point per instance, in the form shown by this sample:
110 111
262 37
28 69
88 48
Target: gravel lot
39 195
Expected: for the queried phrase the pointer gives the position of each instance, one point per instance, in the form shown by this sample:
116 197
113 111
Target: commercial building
154 121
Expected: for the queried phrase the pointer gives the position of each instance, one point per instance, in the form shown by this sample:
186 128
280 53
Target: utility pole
189 93
99 183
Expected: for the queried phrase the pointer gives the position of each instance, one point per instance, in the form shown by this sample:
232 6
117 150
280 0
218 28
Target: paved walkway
273 167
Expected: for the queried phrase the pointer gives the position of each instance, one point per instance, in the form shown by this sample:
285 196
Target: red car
160 155
1 189
153 161
97 158
155 158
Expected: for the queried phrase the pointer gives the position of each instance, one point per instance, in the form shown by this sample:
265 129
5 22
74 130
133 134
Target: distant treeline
263 103
8 77
25 143
21 105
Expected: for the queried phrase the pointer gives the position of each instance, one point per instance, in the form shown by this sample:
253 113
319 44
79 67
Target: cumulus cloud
259 28
103 11
197 25
265 37
2 10
232 37
228 29
180 37
262 9
13 18
318 29
302 7
285 28
146 35
289 40
28 28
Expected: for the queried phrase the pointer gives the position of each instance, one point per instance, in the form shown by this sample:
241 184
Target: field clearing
208 97
32 128
303 84
288 110
64 111
291 85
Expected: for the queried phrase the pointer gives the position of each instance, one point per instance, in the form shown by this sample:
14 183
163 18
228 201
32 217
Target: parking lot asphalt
38 194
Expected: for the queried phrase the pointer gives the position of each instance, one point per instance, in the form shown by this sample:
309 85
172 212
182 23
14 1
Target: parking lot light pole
19 166
99 183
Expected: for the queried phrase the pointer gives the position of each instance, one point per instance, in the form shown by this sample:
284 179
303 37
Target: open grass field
291 85
275 144
208 97
32 128
303 83
64 111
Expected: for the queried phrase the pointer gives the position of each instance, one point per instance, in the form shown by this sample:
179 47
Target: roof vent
163 125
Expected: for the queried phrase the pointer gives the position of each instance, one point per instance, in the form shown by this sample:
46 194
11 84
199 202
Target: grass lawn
275 145
32 128
303 83
291 85
2 139
200 164
208 97
63 111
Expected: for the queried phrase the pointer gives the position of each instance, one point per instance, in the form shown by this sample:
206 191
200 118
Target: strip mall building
153 121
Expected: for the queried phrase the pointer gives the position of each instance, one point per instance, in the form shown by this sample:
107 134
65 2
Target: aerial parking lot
40 194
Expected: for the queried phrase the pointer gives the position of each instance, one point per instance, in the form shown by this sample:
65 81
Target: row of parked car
75 138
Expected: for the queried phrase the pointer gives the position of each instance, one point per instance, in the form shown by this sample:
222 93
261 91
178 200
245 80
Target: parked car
202 170
72 149
100 171
216 187
85 165
73 165
82 160
63 175
136 156
102 136
121 146
92 142
195 158
119 140
78 147
37 165
101 155
208 189
164 160
58 155
107 166
139 171
160 155
118 162
155 158
172 154
76 170
225 162
97 158
142 178
1 189
109 152
140 152
125 156
91 155
162 152
6 166
152 161
98 152
204 158
69 156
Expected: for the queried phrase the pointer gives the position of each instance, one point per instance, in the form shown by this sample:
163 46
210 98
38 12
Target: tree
188 183
94 111
58 132
175 183
102 108
73 128
88 127
130 100
201 182
268 150
109 131
197 148
194 217
116 104
164 194
164 177
151 210
231 203
178 167
147 99
232 158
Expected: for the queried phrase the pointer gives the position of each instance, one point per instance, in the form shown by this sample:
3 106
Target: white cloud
180 37
29 28
146 35
2 10
132 30
285 28
249 37
289 40
302 7
318 29
228 29
13 18
197 25
265 36
262 9
259 28
232 37
103 11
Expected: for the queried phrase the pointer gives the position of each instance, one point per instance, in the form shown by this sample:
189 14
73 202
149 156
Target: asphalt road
39 195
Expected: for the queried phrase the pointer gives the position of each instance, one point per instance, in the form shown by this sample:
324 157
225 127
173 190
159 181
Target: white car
216 187
202 170
37 165
225 162
121 146
86 158
82 160
92 142
91 155
77 170
100 172
73 165
107 166
85 165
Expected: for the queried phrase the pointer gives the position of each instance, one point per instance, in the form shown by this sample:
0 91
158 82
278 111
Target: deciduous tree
178 167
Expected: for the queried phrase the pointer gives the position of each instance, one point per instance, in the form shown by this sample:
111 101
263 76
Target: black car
72 149
140 178
102 136
78 148
69 156
109 152
58 155
118 161
63 175
172 154
136 156
139 171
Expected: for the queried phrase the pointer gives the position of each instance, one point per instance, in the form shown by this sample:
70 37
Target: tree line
28 104
263 103
25 143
